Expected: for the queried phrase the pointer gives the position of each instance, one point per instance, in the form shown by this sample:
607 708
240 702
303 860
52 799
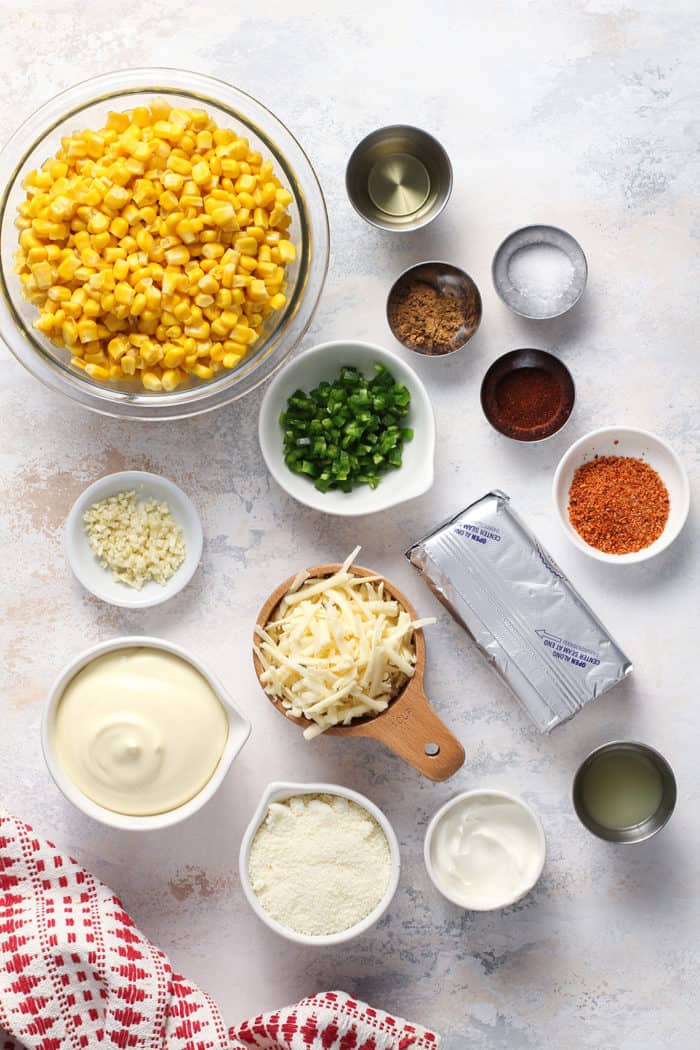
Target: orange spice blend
618 504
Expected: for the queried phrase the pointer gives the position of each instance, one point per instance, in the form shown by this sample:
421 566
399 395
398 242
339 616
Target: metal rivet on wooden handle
414 731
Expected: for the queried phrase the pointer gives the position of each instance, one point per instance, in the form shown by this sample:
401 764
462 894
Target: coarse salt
541 272
319 864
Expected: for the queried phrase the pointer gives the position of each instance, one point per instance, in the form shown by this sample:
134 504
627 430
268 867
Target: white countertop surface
581 114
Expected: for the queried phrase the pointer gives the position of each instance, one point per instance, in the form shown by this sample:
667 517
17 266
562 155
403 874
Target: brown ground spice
427 320
618 504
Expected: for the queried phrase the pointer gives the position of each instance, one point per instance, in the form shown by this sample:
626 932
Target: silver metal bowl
521 272
399 178
637 832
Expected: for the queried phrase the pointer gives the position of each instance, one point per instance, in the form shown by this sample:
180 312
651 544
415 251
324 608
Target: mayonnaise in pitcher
139 731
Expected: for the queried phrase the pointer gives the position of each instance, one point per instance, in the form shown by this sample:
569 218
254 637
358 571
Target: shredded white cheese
337 649
138 540
319 864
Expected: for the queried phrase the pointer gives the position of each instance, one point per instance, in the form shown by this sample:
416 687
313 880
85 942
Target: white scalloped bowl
278 791
415 475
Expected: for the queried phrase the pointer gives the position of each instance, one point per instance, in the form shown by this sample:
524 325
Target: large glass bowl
86 106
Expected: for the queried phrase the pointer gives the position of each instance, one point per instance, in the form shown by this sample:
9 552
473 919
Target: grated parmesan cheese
337 649
138 540
319 864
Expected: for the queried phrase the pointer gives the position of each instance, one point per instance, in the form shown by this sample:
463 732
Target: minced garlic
139 540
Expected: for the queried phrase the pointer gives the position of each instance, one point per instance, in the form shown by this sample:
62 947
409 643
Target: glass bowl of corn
163 243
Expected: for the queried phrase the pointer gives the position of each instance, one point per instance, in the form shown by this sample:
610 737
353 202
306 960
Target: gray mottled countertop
583 114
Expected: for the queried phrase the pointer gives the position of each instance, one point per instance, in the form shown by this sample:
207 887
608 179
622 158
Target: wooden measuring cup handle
412 730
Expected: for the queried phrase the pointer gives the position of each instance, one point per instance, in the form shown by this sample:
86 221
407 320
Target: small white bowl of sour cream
484 849
145 753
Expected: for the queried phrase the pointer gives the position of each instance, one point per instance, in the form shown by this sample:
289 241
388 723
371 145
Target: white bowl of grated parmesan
133 539
319 864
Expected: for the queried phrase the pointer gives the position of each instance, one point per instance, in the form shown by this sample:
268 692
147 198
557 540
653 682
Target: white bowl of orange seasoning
138 734
631 462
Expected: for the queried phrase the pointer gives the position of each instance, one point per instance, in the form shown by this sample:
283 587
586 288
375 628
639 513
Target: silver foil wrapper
529 621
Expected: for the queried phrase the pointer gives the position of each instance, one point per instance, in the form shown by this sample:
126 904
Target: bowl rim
666 538
612 834
313 233
455 270
278 790
239 730
392 361
480 793
543 226
194 540
442 200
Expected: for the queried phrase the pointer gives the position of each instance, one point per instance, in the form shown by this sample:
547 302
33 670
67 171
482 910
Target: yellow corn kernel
97 371
225 215
98 222
171 378
116 197
87 331
174 357
45 323
61 208
138 305
119 227
117 347
151 353
67 267
43 274
150 380
202 371
59 293
287 251
278 301
123 293
187 230
201 173
209 285
245 183
246 245
257 291
169 285
177 256
248 263
231 360
128 364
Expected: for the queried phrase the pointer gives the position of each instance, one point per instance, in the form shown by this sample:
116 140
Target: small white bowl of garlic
133 539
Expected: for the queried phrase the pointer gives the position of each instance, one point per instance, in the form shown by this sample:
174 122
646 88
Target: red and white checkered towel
75 973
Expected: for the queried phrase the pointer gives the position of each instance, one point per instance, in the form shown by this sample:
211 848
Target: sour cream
139 731
485 850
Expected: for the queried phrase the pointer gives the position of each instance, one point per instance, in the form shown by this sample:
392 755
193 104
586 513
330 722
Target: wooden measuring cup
410 725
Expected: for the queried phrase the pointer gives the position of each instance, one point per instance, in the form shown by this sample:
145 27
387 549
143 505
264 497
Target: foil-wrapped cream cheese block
533 626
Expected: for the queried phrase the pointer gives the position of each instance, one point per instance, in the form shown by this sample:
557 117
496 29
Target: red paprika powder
527 398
